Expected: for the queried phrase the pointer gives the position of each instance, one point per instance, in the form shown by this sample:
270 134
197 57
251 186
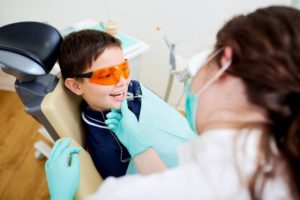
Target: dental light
193 66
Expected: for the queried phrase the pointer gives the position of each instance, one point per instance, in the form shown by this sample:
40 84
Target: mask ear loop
220 72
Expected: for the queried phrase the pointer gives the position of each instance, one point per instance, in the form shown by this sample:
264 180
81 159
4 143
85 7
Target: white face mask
192 99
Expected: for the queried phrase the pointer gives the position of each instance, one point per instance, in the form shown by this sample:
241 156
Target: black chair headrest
35 41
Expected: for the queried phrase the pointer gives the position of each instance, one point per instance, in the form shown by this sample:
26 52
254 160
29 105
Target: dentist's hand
127 129
62 171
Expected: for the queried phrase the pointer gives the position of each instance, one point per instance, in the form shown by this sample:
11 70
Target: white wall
193 21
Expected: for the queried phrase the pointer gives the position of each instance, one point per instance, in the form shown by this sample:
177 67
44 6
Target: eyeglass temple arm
86 75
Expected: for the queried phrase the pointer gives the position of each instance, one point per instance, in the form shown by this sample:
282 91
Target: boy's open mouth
119 96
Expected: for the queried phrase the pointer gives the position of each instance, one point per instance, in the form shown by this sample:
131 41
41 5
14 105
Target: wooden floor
21 175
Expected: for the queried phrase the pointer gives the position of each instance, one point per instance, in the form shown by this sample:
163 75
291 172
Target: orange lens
110 75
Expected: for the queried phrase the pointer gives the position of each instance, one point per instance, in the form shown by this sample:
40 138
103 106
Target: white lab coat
216 165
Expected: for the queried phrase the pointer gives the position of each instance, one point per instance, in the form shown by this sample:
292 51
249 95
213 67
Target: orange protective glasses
108 75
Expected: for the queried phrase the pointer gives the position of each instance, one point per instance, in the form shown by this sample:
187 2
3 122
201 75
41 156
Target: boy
93 66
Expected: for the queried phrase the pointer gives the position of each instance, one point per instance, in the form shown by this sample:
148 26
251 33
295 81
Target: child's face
104 97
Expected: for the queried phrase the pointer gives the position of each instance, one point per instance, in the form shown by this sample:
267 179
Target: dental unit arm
184 69
172 62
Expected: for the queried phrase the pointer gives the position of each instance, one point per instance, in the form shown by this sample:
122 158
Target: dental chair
28 51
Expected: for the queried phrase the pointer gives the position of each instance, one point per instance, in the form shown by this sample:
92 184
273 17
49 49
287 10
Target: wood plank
21 175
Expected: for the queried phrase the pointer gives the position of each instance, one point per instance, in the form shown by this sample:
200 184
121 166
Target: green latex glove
127 129
62 171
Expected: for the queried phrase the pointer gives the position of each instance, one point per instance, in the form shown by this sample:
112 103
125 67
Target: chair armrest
90 179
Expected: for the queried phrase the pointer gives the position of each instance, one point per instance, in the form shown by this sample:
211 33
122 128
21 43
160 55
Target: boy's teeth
114 95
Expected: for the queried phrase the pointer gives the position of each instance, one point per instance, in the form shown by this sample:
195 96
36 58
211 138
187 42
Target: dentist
244 102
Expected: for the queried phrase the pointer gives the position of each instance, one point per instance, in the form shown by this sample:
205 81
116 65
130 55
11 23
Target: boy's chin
116 106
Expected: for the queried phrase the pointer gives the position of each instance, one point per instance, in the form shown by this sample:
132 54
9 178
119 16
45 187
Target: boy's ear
73 85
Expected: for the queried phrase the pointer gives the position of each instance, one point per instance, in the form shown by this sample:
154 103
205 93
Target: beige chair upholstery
61 108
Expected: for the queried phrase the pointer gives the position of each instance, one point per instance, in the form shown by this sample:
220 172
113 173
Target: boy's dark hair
80 49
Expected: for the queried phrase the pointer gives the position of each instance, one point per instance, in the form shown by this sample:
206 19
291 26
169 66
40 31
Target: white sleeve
184 182
214 168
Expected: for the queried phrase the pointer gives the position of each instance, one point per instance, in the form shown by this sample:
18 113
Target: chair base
42 149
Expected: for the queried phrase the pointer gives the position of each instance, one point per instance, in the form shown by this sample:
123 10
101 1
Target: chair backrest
62 109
